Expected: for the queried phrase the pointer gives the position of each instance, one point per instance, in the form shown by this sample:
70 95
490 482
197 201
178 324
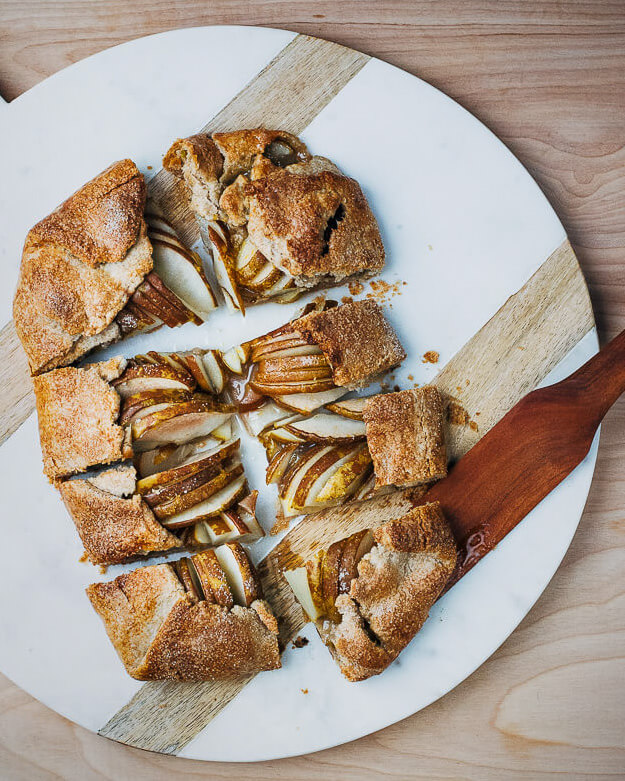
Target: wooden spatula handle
601 380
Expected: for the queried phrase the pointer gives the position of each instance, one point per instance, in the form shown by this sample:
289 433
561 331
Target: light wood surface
549 79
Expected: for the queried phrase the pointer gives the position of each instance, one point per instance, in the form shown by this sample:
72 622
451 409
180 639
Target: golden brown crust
113 528
356 339
405 436
388 602
71 439
314 224
79 267
159 633
208 164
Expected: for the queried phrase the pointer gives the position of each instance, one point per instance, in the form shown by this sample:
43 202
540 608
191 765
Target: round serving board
465 228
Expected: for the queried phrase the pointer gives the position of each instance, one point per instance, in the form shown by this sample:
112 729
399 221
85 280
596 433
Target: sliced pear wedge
212 577
211 507
349 408
298 581
305 403
240 572
327 428
179 423
182 273
138 378
224 266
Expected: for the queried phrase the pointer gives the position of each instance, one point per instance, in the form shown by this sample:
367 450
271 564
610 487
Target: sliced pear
330 577
367 489
224 266
179 423
275 387
295 474
224 432
169 456
193 362
327 428
346 478
188 576
212 577
298 581
305 403
279 463
183 274
157 300
349 408
168 505
138 378
214 370
316 478
242 578
138 404
232 361
258 420
211 507
355 547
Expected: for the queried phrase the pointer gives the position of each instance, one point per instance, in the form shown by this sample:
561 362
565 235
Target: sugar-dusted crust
312 222
114 525
159 633
398 582
209 163
357 340
79 267
78 411
405 436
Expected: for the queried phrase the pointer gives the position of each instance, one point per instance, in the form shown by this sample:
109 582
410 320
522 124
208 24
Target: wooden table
549 79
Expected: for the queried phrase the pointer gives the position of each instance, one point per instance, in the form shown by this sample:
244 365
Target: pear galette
276 220
101 266
202 618
370 593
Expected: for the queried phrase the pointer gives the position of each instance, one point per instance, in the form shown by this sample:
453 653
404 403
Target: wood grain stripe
288 93
512 353
17 400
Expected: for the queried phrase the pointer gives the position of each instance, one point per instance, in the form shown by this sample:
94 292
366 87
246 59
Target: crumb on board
382 291
473 425
346 300
410 377
103 568
300 642
431 356
84 557
304 691
149 168
355 287
457 414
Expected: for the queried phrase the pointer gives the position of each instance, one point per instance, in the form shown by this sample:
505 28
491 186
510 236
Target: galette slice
276 220
200 619
101 266
370 593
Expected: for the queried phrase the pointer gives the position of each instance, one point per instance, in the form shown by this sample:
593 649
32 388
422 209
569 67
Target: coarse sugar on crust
405 436
160 633
357 340
114 525
78 410
79 267
388 602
